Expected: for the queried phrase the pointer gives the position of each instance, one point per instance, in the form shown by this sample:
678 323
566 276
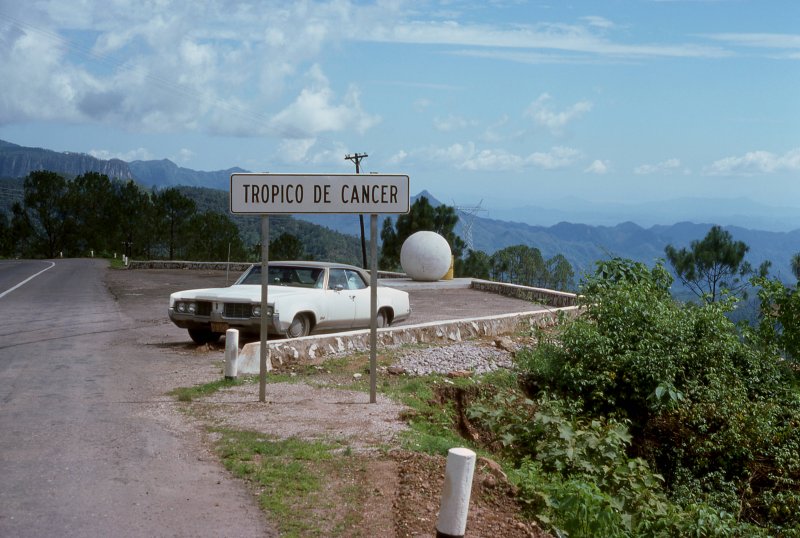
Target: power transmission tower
467 215
356 158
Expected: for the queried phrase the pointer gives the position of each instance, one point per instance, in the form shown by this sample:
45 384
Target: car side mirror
338 287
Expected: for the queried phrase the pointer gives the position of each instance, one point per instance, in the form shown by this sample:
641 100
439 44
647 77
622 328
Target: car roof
305 263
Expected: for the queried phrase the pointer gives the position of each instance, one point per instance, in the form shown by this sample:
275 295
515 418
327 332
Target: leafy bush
715 413
576 475
779 325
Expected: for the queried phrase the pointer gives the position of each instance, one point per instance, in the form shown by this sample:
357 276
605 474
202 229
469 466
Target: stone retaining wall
535 295
216 266
315 349
175 264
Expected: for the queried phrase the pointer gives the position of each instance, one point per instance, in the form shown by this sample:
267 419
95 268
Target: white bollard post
452 521
231 353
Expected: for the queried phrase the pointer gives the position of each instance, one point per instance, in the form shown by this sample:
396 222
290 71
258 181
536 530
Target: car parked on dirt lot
303 297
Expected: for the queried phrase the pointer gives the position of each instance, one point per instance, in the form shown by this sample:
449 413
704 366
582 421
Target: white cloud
452 123
468 157
598 22
166 67
598 167
295 150
782 46
184 155
756 162
557 157
398 158
542 114
761 40
664 167
315 111
553 37
493 159
455 153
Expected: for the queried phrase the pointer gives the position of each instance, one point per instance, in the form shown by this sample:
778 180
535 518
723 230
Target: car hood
241 292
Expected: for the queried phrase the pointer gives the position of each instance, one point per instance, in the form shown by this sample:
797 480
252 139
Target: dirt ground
405 486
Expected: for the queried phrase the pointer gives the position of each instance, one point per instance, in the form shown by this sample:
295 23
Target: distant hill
582 244
165 173
18 161
741 212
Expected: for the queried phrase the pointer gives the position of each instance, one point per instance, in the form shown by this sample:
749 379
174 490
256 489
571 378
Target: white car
303 297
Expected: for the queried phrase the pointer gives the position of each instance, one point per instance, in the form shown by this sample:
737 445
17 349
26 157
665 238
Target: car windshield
287 275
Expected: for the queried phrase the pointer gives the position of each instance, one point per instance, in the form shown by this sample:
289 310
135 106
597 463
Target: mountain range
581 243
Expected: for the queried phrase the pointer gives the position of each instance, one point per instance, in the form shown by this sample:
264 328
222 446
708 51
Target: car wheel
381 319
300 326
204 336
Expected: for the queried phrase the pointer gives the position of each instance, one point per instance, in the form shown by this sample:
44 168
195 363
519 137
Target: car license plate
217 327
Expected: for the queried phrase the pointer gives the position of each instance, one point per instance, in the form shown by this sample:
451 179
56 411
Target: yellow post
449 274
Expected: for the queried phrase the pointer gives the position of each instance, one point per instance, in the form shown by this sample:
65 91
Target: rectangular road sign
319 193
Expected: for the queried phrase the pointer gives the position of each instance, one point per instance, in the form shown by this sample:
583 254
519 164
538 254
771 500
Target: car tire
203 336
382 319
300 326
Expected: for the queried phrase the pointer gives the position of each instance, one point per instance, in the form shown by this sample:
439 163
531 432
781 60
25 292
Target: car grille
237 310
203 308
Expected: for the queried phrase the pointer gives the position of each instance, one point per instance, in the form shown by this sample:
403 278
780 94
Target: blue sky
510 102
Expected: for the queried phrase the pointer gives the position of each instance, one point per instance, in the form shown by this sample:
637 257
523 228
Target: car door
359 292
339 301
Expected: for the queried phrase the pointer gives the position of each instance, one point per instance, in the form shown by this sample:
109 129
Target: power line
467 217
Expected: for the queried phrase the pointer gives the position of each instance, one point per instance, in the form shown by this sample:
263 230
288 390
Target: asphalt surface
86 448
80 452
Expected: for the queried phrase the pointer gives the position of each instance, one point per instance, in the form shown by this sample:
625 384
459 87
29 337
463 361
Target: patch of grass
187 394
292 475
116 263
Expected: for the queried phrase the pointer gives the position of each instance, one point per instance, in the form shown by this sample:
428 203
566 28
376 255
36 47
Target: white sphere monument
425 256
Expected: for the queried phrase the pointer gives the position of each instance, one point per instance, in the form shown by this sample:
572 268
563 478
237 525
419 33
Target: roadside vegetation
649 417
643 417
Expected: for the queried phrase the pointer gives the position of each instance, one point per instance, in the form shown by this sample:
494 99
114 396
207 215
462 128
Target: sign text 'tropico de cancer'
319 193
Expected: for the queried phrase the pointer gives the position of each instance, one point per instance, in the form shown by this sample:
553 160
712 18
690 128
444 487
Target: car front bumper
216 322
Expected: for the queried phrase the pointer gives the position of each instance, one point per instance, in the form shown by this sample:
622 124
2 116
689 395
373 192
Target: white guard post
231 353
452 521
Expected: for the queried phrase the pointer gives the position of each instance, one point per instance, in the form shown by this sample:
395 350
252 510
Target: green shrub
711 409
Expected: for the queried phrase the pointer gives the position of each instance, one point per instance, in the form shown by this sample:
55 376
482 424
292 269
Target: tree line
519 264
94 215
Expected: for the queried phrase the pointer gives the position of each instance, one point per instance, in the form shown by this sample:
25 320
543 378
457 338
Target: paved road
79 453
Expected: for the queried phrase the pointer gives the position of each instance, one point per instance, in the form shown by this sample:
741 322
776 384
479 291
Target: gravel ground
407 486
462 357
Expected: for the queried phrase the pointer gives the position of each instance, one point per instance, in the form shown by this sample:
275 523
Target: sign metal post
263 352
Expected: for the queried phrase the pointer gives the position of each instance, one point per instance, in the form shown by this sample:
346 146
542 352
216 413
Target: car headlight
192 308
257 311
180 307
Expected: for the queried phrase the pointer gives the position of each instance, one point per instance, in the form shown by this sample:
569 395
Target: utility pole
356 158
